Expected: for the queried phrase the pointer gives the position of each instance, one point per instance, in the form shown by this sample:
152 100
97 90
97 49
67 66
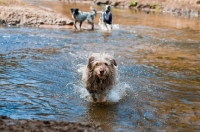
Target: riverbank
185 8
7 125
19 13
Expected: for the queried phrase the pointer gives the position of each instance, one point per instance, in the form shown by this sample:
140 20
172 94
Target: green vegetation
153 6
133 4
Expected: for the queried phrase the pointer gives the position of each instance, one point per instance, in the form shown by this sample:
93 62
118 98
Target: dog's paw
104 99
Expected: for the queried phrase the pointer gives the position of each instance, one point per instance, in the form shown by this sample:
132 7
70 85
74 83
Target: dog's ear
90 62
72 10
109 8
76 11
113 61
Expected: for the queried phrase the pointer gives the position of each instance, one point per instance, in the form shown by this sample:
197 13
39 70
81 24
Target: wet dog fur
100 75
80 16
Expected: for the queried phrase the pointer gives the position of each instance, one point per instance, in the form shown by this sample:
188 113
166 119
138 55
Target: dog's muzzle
101 73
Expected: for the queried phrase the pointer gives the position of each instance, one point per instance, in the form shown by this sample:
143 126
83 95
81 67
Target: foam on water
102 27
83 93
80 68
115 26
118 92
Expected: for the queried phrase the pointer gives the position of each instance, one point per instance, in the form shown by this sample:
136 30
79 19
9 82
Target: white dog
100 76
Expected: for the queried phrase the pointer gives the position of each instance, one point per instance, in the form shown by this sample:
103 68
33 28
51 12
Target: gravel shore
10 125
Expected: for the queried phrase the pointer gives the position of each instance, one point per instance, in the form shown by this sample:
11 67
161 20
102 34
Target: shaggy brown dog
100 75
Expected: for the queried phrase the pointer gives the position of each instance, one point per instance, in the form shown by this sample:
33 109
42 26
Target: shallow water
158 64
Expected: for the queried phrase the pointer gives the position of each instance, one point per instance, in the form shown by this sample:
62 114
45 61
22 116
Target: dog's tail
93 10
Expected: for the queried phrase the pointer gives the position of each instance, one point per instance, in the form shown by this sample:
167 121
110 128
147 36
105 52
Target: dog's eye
106 64
97 64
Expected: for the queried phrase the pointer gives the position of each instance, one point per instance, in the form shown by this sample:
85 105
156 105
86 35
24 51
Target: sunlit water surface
158 65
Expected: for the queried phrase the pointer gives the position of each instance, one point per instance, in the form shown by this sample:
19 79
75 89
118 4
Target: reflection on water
158 67
103 114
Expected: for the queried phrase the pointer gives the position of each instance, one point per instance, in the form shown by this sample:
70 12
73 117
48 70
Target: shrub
133 4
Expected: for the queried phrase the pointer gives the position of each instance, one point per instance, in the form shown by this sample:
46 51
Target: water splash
115 95
115 26
107 27
83 93
118 92
80 68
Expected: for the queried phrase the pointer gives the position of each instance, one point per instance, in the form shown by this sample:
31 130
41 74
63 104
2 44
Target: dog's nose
101 72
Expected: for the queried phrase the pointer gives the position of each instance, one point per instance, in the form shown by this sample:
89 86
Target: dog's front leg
92 26
94 97
106 25
80 25
104 99
75 24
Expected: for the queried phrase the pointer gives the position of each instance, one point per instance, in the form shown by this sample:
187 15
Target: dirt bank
19 13
188 8
8 125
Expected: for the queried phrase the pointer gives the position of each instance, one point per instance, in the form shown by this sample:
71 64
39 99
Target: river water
158 60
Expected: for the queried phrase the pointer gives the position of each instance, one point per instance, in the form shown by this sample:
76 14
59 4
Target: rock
184 8
116 3
7 124
31 15
63 21
102 2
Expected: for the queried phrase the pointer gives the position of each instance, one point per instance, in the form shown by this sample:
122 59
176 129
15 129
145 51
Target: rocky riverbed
23 14
7 125
186 8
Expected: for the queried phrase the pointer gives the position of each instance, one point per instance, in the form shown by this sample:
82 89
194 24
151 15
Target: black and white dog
106 17
80 16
